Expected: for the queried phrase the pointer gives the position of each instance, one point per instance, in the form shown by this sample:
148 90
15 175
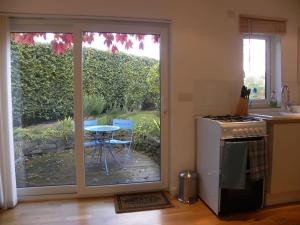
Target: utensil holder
242 107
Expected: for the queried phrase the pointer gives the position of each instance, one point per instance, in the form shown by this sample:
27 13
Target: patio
58 168
137 169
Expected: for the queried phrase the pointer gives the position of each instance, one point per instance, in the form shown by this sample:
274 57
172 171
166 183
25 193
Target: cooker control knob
261 130
241 132
234 132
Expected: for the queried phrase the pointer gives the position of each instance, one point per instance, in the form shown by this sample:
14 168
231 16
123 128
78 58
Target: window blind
256 25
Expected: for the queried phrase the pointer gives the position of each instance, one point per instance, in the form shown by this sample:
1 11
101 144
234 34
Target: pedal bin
188 187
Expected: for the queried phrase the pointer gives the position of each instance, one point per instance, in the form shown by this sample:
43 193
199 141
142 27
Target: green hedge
42 85
42 82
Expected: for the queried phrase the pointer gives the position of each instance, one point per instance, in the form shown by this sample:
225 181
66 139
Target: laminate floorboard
100 211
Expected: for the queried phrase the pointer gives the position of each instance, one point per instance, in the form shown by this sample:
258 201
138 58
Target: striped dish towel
258 159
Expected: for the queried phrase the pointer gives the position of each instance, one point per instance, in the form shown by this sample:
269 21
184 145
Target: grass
104 119
137 117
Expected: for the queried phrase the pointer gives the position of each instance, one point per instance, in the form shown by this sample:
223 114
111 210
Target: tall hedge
42 82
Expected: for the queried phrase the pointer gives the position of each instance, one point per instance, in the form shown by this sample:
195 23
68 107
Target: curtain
8 190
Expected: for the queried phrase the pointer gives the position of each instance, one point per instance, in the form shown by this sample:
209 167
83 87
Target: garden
115 85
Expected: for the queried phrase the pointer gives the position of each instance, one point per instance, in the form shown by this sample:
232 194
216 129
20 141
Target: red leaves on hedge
141 45
108 39
155 38
114 49
58 47
121 38
128 44
140 37
88 37
25 38
67 39
63 41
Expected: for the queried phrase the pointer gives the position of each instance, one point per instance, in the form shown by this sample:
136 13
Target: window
256 65
262 56
262 67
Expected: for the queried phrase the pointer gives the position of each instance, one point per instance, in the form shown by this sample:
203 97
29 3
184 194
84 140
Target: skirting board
281 198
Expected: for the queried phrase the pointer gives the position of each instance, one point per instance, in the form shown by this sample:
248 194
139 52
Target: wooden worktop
275 120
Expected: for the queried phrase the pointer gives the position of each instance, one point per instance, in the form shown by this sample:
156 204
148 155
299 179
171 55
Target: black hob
232 118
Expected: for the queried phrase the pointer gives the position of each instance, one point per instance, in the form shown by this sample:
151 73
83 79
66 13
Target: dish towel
234 165
258 159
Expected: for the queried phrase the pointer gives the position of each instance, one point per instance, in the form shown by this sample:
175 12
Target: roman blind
257 25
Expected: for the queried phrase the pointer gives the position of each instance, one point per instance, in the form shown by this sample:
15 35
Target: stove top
232 118
230 126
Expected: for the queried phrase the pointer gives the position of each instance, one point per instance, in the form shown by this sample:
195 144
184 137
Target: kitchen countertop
282 120
278 116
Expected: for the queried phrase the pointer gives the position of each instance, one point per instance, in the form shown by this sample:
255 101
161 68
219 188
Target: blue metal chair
93 142
89 123
126 126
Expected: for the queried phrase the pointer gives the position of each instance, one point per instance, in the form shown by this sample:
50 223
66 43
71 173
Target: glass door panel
42 98
121 108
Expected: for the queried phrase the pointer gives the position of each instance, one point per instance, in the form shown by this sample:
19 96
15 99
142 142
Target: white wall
205 53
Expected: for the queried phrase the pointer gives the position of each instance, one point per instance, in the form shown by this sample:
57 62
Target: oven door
251 196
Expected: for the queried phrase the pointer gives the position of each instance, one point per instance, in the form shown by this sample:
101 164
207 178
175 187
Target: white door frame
77 27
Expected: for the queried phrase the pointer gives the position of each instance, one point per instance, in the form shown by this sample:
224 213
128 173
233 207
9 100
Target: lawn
106 118
137 117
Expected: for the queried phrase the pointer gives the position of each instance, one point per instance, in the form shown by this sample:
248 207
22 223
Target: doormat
141 201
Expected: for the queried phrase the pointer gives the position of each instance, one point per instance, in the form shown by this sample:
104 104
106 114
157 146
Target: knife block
242 107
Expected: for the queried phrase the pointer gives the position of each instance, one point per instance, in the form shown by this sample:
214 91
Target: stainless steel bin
188 187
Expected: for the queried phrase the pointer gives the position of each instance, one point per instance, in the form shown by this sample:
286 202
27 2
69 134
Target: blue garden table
103 133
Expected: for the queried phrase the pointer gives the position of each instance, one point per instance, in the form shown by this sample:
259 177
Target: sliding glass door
87 107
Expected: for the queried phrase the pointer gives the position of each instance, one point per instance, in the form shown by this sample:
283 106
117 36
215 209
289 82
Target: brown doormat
141 201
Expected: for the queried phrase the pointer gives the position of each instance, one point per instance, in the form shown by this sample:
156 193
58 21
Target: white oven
217 135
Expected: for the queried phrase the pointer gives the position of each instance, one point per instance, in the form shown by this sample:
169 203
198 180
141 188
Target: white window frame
77 26
269 75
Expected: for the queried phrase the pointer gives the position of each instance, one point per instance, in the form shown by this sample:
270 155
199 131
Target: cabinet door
285 158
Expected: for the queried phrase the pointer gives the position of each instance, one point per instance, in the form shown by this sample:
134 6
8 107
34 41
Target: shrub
48 134
146 138
119 78
65 129
93 105
24 134
105 119
42 83
153 83
62 131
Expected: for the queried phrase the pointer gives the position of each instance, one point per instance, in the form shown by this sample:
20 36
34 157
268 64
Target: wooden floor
101 211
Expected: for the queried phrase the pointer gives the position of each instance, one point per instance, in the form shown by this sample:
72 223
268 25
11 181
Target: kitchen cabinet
283 185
